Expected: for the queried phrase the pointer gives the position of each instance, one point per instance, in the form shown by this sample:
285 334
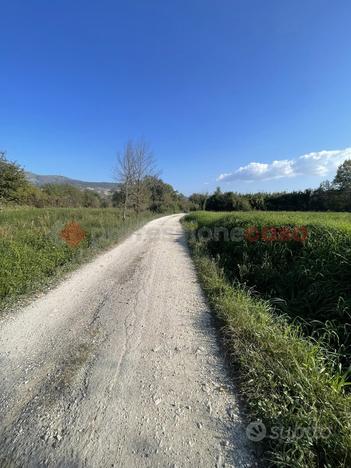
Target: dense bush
227 201
68 196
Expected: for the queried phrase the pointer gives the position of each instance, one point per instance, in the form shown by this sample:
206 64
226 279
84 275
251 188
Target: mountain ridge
100 187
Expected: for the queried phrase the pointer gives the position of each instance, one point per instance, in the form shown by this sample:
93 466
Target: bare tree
144 165
126 174
134 165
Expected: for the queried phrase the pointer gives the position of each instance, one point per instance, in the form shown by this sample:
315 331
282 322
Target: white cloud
320 163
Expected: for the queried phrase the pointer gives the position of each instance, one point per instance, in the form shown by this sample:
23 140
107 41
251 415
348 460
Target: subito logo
256 431
73 234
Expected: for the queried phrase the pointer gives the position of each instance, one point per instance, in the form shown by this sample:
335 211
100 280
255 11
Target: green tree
199 200
91 199
118 198
342 179
13 181
325 186
63 195
32 196
162 197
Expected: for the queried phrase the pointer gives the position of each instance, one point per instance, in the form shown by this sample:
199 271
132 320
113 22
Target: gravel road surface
119 366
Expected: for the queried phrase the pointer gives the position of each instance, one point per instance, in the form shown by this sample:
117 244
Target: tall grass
309 281
291 382
32 252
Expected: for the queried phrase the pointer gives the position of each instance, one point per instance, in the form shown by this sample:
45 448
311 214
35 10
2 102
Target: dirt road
119 366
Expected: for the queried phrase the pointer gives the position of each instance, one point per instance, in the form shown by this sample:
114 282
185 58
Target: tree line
329 196
139 187
15 189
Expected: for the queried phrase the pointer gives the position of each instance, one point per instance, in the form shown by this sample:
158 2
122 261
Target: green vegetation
153 195
140 187
32 252
329 196
144 193
285 307
343 176
309 281
13 184
16 190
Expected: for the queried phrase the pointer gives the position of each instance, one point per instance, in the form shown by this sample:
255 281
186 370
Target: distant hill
100 187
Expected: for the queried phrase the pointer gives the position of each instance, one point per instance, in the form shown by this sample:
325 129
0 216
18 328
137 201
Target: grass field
309 218
309 281
285 307
32 252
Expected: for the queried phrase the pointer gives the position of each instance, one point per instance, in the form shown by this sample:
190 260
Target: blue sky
213 86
